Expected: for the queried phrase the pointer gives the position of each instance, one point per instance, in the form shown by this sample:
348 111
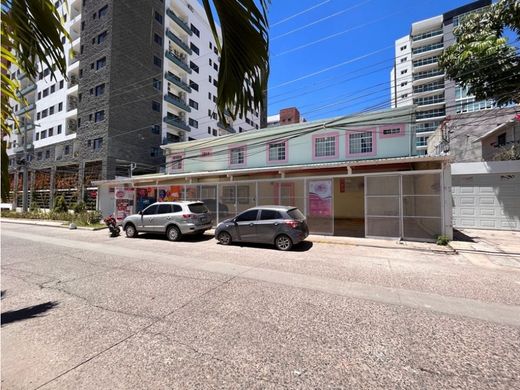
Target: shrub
95 217
34 208
80 207
442 240
60 206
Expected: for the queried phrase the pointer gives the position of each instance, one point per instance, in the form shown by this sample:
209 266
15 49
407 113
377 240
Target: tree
482 59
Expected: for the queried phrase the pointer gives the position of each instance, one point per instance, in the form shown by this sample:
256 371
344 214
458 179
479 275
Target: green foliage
507 154
86 218
442 240
79 207
33 207
482 59
60 206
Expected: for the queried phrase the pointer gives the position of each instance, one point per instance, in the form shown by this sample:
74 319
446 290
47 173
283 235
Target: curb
64 225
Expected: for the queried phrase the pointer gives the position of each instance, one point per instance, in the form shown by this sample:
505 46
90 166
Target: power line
299 13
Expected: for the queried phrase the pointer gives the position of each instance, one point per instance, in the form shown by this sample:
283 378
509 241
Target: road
82 310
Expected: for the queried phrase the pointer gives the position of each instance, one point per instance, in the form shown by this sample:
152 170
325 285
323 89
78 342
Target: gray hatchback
172 218
282 226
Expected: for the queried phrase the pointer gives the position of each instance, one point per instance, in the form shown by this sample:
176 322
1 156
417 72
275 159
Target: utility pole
25 188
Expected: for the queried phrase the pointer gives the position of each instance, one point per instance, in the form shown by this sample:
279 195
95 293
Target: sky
348 69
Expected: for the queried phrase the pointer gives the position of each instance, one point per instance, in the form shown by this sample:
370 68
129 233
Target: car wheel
283 242
131 231
224 238
173 233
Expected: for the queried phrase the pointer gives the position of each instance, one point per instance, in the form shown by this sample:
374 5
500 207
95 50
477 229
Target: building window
391 131
97 143
194 66
37 136
156 129
47 153
60 106
404 71
51 110
403 47
39 156
193 104
101 63
325 146
158 17
66 150
102 37
215 66
37 116
157 39
404 84
100 89
501 140
61 84
43 134
193 123
277 151
237 155
155 151
156 106
195 30
99 116
214 132
46 92
361 143
194 85
404 59
194 48
58 130
51 131
44 113
157 61
157 84
53 88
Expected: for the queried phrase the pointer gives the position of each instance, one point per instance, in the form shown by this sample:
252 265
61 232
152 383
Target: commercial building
485 150
140 74
286 116
417 80
355 176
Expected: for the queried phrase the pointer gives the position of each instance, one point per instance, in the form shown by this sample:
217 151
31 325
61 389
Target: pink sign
320 198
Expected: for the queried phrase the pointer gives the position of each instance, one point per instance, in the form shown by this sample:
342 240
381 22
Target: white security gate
486 201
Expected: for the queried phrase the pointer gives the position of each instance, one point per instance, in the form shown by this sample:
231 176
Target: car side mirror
141 212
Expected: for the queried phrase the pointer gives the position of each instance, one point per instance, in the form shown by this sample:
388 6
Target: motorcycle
111 222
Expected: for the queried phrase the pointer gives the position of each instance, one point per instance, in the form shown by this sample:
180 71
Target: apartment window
58 129
44 113
277 151
101 63
61 84
51 110
156 106
155 151
193 104
60 107
215 66
47 153
501 140
404 83
194 85
97 143
210 45
81 73
210 62
82 28
100 89
46 92
157 61
194 48
99 116
37 136
66 150
102 11
39 95
209 129
391 131
215 82
214 132
195 30
360 143
194 66
214 99
157 39
209 113
209 95
51 131
158 17
156 84
404 71
237 156
43 134
91 91
240 129
46 72
404 59
193 123
101 37
40 76
210 79
39 156
403 47
53 88
156 129
325 146
404 95
38 116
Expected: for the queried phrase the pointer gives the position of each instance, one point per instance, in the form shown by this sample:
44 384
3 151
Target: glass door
383 206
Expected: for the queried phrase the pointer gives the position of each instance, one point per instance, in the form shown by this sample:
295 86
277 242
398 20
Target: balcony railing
27 89
426 127
72 82
429 100
427 35
178 41
178 61
72 104
433 46
428 87
430 113
25 109
176 101
177 81
426 61
176 122
179 21
72 127
228 128
427 74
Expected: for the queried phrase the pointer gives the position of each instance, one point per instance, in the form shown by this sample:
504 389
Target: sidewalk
45 222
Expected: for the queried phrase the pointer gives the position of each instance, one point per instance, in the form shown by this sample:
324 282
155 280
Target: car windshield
296 214
198 208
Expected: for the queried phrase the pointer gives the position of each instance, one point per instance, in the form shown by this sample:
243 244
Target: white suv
172 218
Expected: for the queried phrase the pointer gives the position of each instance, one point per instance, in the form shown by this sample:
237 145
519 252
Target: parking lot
82 310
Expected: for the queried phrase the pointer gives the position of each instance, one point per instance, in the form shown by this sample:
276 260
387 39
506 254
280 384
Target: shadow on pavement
185 238
27 312
459 236
303 246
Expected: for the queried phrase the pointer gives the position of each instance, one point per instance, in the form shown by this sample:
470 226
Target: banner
320 198
124 203
144 197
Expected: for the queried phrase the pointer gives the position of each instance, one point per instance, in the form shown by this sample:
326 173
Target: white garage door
487 201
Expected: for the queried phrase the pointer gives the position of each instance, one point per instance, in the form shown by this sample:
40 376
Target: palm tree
32 31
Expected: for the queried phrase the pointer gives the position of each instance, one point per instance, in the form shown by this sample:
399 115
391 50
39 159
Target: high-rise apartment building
416 77
140 74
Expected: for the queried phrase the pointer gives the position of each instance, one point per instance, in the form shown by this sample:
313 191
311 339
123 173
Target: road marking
493 312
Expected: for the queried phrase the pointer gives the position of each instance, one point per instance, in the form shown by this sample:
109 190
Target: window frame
401 132
373 152
268 151
230 151
315 137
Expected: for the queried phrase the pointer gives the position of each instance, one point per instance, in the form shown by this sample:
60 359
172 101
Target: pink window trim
206 153
283 141
172 157
334 134
386 127
374 142
245 155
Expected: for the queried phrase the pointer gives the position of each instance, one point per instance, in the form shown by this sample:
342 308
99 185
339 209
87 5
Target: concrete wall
351 202
490 146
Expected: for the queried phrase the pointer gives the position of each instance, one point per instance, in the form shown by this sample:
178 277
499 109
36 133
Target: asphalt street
81 310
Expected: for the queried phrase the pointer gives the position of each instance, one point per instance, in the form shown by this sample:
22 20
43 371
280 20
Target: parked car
283 226
171 218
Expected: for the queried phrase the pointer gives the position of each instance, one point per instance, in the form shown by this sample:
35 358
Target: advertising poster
144 198
320 198
169 194
124 199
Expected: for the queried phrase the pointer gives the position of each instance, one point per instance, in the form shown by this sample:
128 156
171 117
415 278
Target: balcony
178 41
72 103
72 126
171 138
26 109
177 101
177 81
428 87
430 74
178 61
425 61
182 24
430 114
26 90
176 122
426 101
427 35
428 49
225 127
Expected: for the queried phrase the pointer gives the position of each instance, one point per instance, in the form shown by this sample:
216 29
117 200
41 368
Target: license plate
203 219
